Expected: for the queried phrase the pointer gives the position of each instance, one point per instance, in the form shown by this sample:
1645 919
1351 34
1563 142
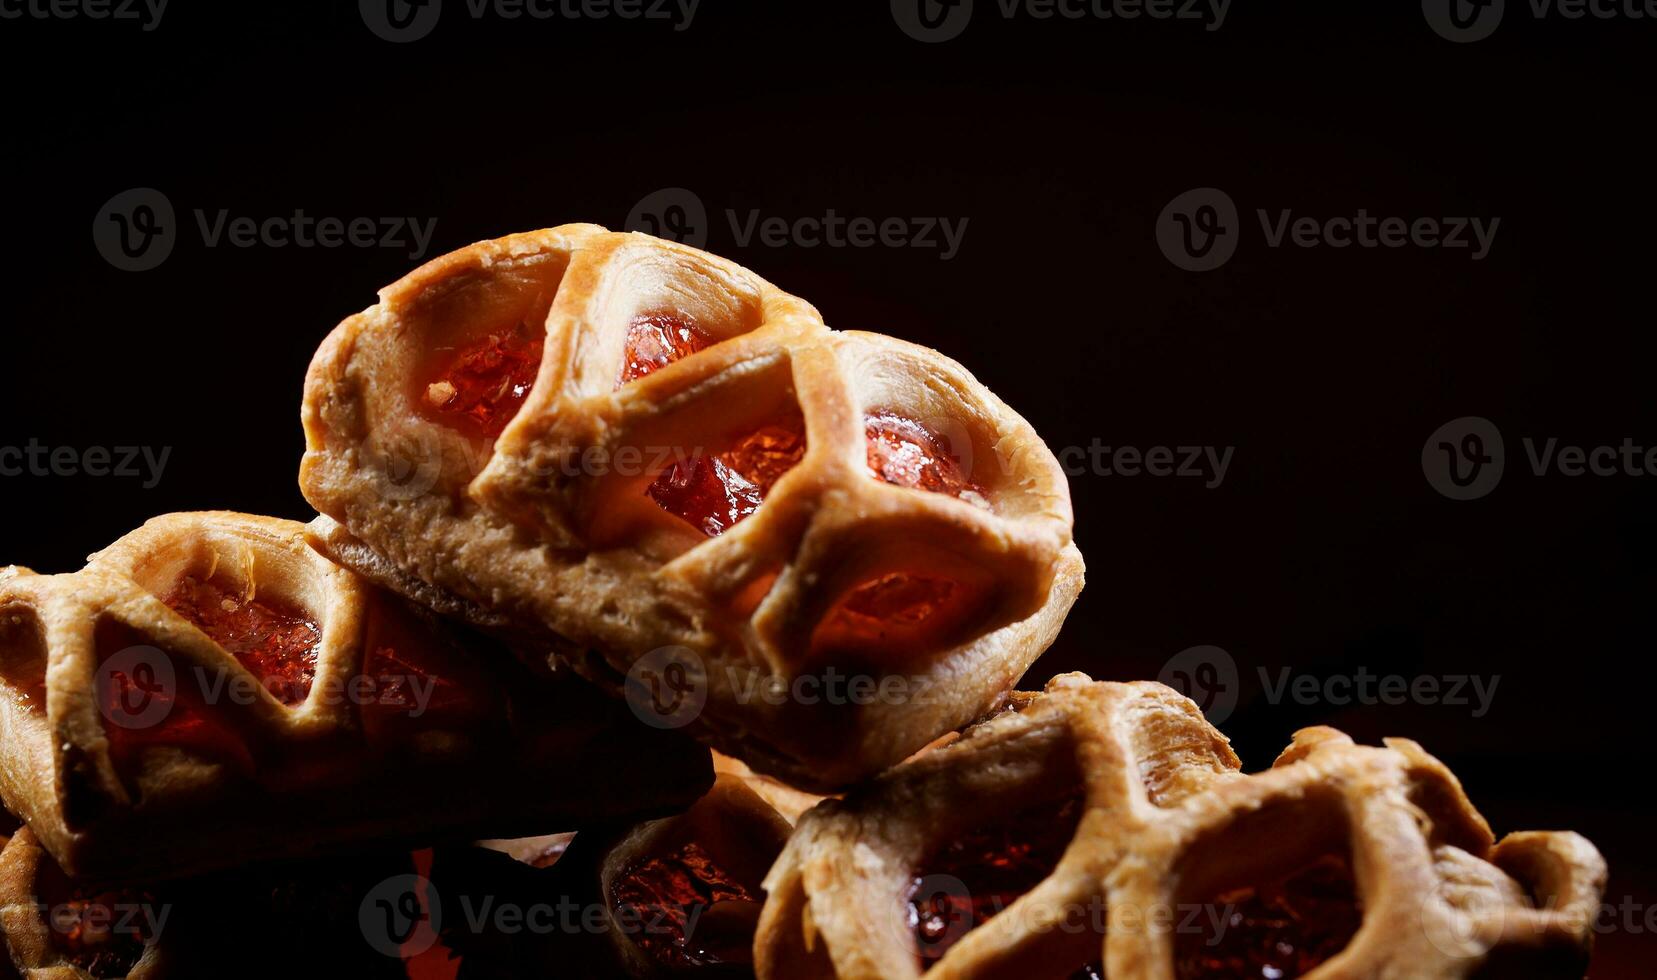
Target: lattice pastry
209 691
673 897
656 461
1104 829
274 922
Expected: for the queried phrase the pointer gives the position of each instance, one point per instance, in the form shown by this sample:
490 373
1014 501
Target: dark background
1325 549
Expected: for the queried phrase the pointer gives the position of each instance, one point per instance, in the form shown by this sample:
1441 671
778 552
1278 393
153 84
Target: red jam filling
1277 931
277 642
905 453
686 906
656 340
104 932
413 680
996 865
715 493
155 707
482 387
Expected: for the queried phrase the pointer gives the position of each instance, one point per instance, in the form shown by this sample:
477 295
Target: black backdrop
1325 549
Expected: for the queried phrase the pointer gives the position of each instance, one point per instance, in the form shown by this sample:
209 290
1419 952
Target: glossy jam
148 709
906 453
665 894
1276 931
900 599
715 493
276 642
482 386
104 932
656 340
996 865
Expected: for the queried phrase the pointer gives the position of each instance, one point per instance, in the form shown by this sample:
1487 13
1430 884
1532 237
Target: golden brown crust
546 535
1170 820
734 826
25 920
361 755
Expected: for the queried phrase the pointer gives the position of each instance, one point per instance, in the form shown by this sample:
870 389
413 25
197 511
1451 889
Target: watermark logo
1206 675
674 213
1463 459
943 911
401 916
1198 230
137 687
1207 463
146 12
1464 21
667 687
410 462
678 214
932 21
136 229
401 21
124 462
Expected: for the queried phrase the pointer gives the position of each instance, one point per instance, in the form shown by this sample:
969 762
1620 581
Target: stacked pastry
591 504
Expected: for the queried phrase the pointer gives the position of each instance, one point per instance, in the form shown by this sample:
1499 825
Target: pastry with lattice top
53 928
676 896
1105 830
209 691
819 549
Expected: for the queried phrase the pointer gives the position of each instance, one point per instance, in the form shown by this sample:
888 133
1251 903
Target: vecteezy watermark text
138 688
1200 230
679 214
1208 463
122 462
1208 675
402 21
1465 458
1464 21
147 12
934 21
136 230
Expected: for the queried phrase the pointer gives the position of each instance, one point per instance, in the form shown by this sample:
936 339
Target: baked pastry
683 894
273 922
673 897
817 549
210 692
1103 829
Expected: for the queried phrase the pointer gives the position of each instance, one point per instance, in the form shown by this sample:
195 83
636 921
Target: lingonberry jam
658 339
102 931
482 386
995 865
669 898
906 453
151 698
273 640
1276 931
715 493
413 680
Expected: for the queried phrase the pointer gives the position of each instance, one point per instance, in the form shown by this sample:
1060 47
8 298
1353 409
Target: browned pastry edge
585 562
1168 820
554 752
